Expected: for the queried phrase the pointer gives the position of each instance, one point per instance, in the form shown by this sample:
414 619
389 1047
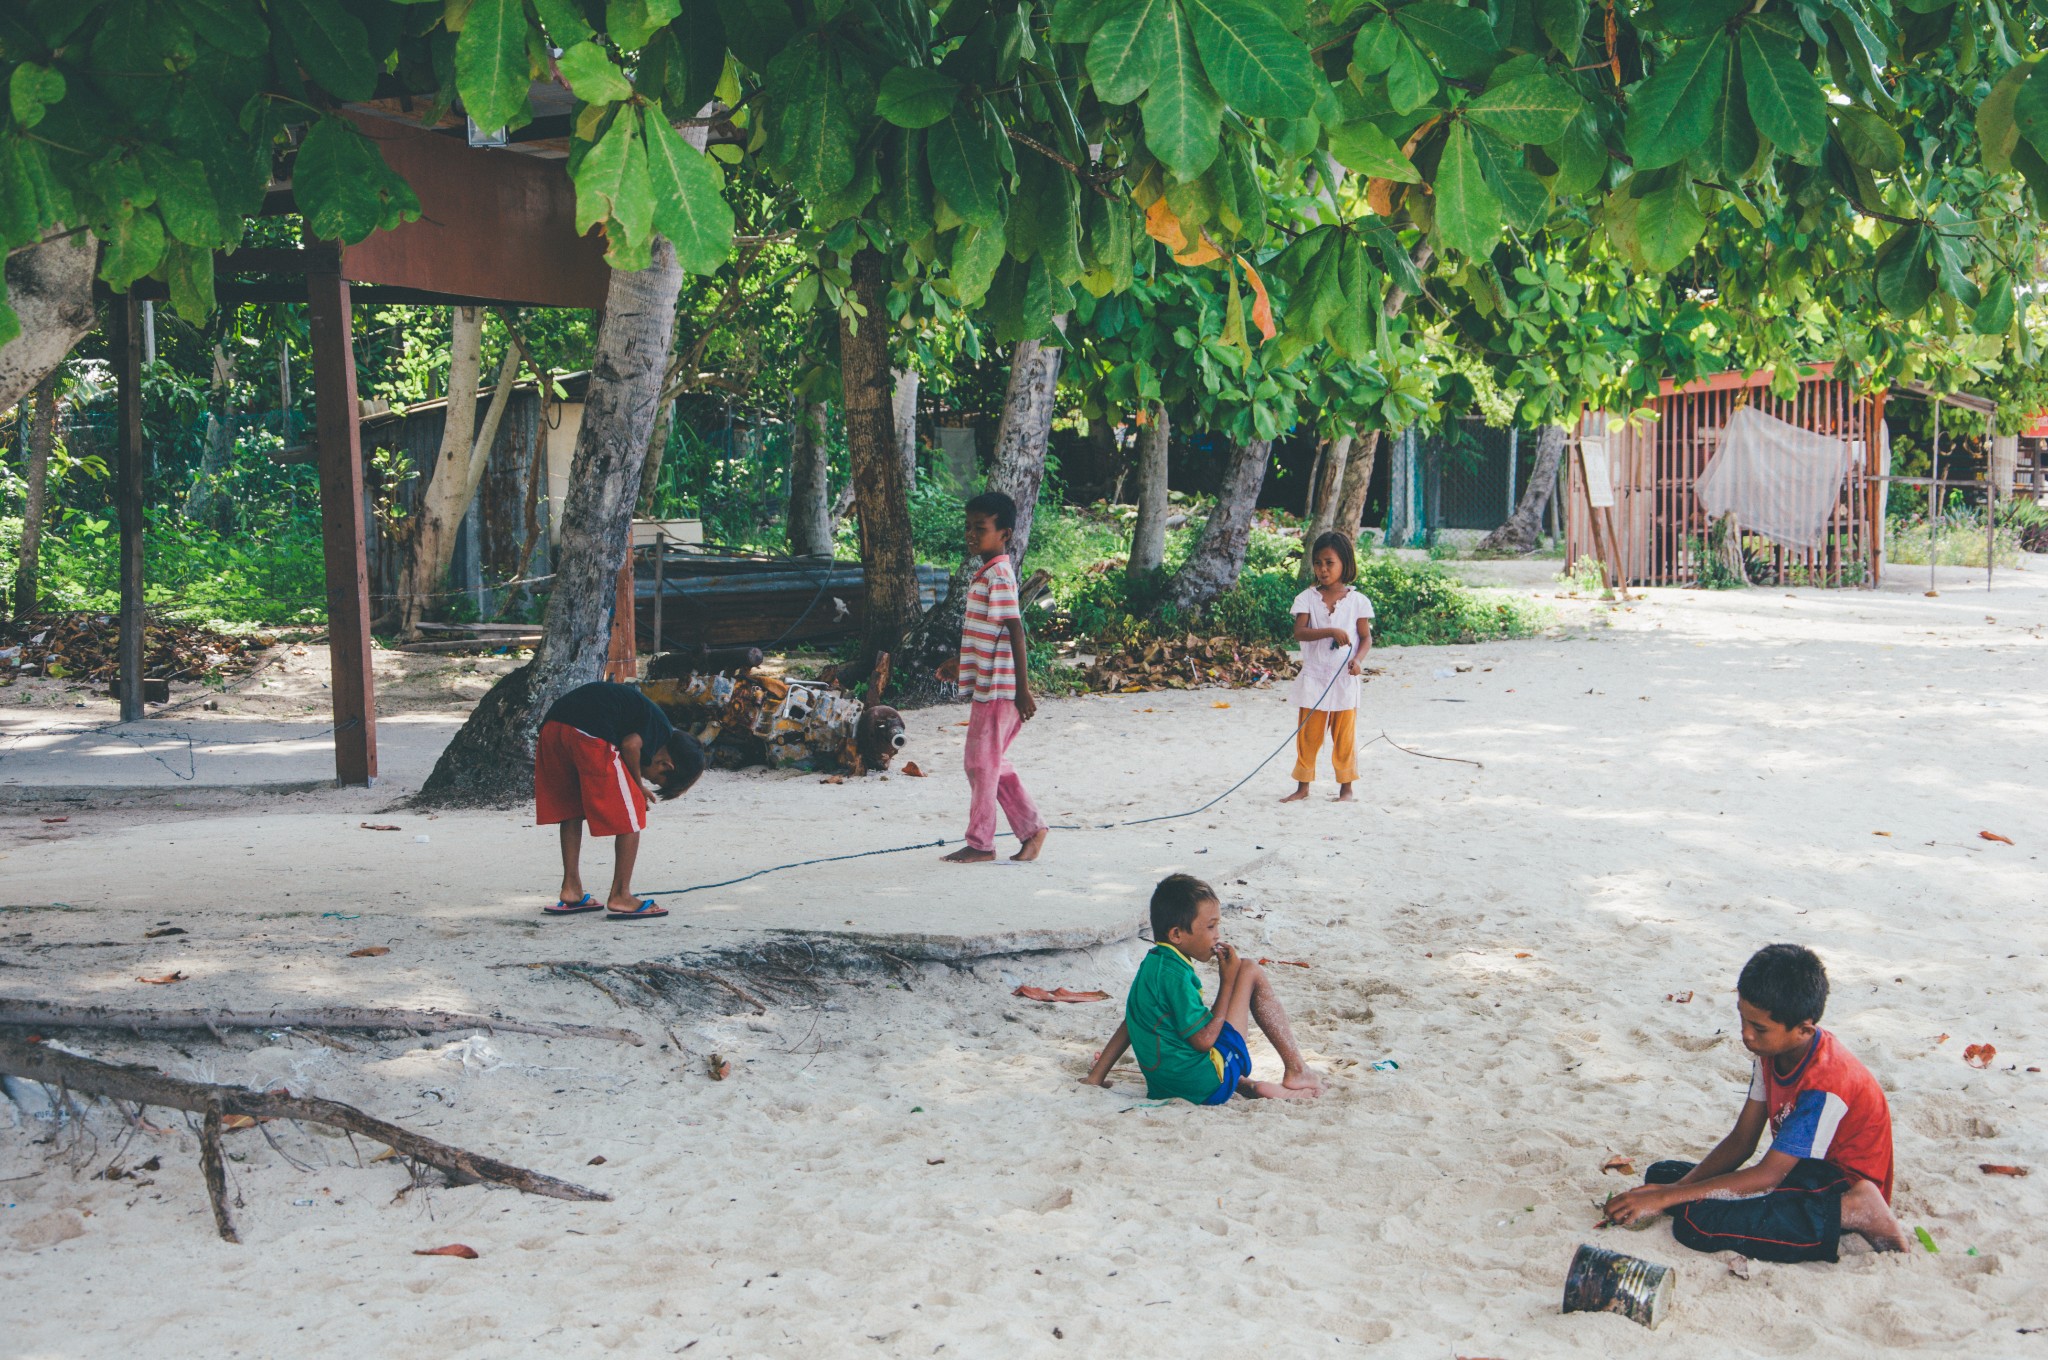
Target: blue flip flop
645 911
566 908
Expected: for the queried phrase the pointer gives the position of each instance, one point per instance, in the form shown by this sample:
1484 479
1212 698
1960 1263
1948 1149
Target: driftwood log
147 1086
50 1015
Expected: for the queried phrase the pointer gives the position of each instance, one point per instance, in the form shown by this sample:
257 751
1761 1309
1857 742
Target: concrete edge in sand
922 947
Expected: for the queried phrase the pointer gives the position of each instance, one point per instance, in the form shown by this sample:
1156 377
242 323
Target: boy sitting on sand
1829 1168
1186 1049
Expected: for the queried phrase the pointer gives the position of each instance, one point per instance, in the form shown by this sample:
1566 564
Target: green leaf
1697 18
1350 329
1532 108
1460 38
977 251
1077 21
1564 23
612 188
1411 80
916 96
815 125
1732 144
1996 128
1784 98
2033 169
757 30
965 171
1045 222
905 206
188 271
1995 313
1377 44
333 45
630 23
1949 269
490 63
689 203
1668 225
1130 48
185 200
564 21
2029 115
1468 213
1581 160
591 75
1524 202
1676 109
234 26
1905 279
132 246
30 90
1182 111
1875 145
1258 67
344 188
1362 147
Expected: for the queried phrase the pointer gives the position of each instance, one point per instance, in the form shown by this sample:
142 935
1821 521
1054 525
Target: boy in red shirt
992 673
1829 1167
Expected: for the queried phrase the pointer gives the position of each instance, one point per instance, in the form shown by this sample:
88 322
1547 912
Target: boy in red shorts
1829 1167
600 748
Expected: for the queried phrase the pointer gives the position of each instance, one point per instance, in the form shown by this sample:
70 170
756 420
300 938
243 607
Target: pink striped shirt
987 670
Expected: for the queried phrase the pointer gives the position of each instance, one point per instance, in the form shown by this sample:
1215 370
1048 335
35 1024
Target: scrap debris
1184 663
452 1249
1994 836
2001 1169
85 646
745 718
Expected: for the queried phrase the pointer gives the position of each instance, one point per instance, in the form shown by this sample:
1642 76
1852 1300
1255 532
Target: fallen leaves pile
85 646
1184 663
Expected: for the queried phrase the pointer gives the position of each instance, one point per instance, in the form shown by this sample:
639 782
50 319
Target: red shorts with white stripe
578 777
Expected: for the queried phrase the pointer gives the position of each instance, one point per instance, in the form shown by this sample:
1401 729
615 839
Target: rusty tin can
1602 1281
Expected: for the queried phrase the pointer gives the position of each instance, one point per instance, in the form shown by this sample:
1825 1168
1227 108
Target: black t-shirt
612 713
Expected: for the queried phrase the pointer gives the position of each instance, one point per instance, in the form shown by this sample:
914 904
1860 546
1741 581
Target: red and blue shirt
1828 1108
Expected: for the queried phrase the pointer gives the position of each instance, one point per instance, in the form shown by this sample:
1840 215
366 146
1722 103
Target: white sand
910 1172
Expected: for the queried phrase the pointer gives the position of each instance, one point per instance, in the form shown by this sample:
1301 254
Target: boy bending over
1829 1168
1187 1049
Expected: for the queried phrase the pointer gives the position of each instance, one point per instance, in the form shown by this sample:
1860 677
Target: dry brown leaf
1058 994
911 768
935 1161
1940 1039
235 1123
52 821
596 1161
161 981
2000 1169
1219 704
1283 963
720 1069
163 932
1625 1165
833 779
452 1249
380 826
1979 1055
1994 836
1881 833
368 951
1682 998
1525 956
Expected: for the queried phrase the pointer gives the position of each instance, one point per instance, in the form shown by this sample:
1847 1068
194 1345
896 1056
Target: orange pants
1308 740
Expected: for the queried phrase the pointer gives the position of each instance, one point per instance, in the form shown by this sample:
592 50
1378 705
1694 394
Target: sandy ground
904 1165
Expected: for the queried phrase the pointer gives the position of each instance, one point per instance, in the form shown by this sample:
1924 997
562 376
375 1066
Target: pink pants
990 780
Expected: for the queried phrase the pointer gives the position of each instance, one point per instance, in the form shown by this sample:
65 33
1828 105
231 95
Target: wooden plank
622 662
125 350
341 529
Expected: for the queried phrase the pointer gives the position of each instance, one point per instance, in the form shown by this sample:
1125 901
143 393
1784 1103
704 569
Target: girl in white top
1333 624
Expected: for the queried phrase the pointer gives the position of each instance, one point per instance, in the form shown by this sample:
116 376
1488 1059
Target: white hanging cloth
1779 481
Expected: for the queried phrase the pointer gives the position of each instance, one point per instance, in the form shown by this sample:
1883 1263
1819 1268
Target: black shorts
1801 1220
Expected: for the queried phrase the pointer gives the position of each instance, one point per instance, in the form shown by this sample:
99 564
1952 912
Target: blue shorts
1801 1220
1237 1064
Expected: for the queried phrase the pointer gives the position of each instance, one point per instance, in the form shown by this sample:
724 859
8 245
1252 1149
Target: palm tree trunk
1358 468
887 558
1025 431
1327 497
810 484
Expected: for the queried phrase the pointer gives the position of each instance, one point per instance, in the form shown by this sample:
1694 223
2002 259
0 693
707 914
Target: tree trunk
490 762
903 415
1025 430
810 485
1218 558
42 437
458 468
886 553
1148 538
1525 526
657 449
50 288
1326 500
1350 517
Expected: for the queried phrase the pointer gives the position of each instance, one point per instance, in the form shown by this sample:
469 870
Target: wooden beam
341 528
622 662
126 352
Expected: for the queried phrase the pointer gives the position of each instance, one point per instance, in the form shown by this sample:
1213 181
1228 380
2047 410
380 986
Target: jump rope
1094 826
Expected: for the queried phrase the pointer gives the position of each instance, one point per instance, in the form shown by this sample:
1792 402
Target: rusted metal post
127 355
341 527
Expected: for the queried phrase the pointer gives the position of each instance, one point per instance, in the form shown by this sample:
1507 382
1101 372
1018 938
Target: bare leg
572 861
1272 1018
627 850
1300 792
1864 1211
1032 843
1344 793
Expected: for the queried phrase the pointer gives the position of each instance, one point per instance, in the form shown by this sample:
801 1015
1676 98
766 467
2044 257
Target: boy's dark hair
1339 544
1175 901
688 754
997 507
1786 980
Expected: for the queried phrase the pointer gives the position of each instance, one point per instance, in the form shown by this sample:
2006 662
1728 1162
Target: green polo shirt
1164 1008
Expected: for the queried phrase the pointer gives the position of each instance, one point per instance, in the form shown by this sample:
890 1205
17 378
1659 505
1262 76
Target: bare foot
630 902
1300 792
1271 1090
1864 1211
1344 794
967 854
1029 850
1303 1080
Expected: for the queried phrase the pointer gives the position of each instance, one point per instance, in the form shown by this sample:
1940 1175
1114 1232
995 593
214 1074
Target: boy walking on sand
1184 1048
1829 1168
600 747
992 670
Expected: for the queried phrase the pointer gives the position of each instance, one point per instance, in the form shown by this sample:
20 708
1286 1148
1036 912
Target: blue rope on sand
1099 826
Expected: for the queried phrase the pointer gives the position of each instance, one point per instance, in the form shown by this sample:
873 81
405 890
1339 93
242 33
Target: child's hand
1631 1205
1027 707
1228 961
1354 668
